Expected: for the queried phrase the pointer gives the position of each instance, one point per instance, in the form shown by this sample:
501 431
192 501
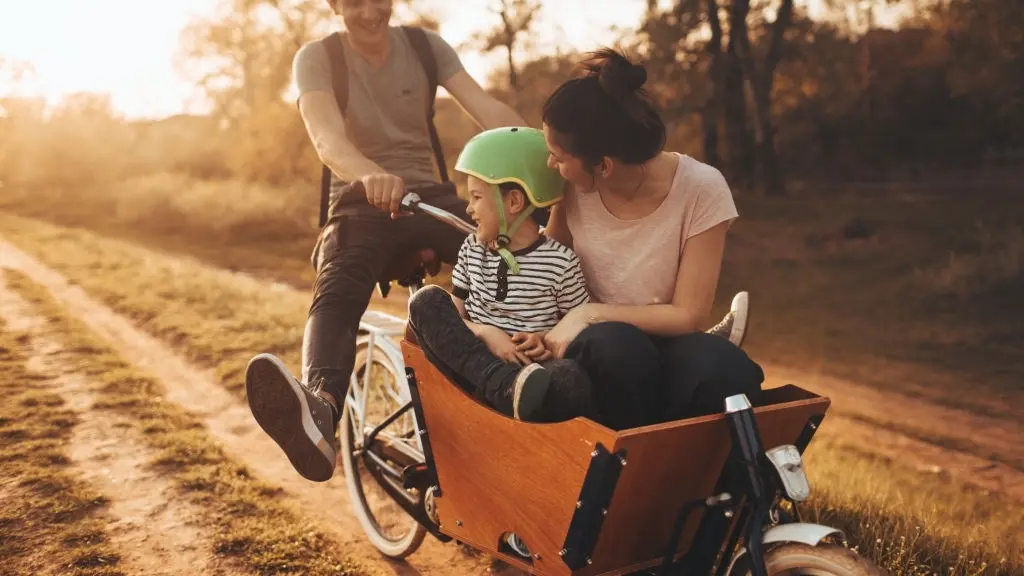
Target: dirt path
231 423
151 528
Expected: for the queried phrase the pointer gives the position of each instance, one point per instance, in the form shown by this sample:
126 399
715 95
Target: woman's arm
557 229
699 269
690 308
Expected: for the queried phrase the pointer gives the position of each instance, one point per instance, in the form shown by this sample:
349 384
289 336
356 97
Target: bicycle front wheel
802 559
378 389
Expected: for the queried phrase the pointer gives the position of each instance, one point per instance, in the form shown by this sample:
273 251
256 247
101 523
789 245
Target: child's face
483 208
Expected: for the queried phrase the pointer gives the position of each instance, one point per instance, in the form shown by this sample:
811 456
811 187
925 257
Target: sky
77 45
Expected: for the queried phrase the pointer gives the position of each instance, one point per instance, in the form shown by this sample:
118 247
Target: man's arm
487 111
318 107
326 130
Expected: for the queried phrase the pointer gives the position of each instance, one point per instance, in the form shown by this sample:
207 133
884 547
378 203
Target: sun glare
126 48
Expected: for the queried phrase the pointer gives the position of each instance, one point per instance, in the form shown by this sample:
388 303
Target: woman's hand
532 345
501 345
568 328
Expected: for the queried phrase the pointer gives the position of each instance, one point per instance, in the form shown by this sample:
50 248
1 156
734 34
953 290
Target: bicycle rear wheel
379 389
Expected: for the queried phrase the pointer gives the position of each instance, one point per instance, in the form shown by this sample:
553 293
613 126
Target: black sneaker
301 422
523 393
733 326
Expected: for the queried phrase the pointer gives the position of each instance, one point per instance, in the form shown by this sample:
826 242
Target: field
902 304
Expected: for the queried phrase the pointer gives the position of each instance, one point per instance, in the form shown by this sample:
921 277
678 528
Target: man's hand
532 345
384 191
500 344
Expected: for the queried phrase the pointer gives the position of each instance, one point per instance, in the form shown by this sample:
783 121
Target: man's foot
733 326
523 392
301 422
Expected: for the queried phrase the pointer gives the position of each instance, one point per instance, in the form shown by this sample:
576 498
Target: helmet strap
505 233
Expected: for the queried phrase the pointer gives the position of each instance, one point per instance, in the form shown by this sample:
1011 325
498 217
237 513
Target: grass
916 293
49 519
913 292
251 525
912 523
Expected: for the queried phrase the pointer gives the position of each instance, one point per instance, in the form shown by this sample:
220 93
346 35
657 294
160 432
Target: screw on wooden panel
458 522
579 504
589 561
604 511
563 552
536 556
593 454
623 461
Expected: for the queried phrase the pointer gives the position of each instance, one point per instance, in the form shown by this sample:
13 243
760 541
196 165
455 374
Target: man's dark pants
350 255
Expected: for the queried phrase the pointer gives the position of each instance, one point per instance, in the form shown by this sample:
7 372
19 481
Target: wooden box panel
499 475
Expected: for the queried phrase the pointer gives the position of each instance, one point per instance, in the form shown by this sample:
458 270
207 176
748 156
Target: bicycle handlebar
411 203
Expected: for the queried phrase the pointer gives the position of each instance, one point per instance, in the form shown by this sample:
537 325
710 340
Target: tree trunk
739 144
713 107
513 77
760 83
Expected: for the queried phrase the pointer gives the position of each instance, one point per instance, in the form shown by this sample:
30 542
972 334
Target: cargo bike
713 494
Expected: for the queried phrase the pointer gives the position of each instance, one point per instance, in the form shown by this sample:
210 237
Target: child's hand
500 344
532 345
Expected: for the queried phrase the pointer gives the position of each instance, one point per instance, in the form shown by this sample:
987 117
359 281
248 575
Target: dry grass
253 527
912 523
865 288
50 521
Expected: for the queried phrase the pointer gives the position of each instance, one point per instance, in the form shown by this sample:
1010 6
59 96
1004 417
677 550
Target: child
511 285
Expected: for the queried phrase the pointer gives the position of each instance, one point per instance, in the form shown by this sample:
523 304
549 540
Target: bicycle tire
395 548
822 560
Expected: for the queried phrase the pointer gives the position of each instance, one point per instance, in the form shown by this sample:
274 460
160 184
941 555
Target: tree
241 57
759 78
516 18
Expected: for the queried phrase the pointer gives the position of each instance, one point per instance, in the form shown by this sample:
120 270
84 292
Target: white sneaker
733 326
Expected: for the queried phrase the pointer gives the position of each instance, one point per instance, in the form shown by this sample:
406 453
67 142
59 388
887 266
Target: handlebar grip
425 189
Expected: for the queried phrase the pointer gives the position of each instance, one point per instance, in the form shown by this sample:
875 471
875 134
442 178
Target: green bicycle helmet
512 155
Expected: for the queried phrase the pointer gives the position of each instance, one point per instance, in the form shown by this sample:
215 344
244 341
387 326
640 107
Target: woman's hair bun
617 75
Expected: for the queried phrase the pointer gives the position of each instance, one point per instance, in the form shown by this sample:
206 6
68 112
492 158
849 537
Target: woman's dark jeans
641 379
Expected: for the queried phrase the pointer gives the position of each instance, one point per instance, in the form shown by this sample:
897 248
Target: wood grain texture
499 475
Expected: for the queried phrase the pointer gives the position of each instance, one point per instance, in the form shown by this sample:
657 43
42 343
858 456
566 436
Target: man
383 141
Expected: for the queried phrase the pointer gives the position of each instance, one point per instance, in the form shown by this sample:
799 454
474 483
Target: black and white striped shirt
550 283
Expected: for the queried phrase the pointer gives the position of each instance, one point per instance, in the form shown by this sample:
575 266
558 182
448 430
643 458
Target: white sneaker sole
740 307
529 392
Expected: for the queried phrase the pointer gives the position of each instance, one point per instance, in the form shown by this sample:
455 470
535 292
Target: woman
649 227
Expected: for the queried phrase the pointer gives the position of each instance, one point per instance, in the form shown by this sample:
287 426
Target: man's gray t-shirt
386 112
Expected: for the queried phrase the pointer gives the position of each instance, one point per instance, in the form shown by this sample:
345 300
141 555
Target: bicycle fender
799 532
802 532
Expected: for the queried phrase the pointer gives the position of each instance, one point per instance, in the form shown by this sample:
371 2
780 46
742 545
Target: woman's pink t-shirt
635 262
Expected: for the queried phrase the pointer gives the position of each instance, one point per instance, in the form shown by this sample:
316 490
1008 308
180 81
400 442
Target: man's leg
624 369
350 256
511 389
702 371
